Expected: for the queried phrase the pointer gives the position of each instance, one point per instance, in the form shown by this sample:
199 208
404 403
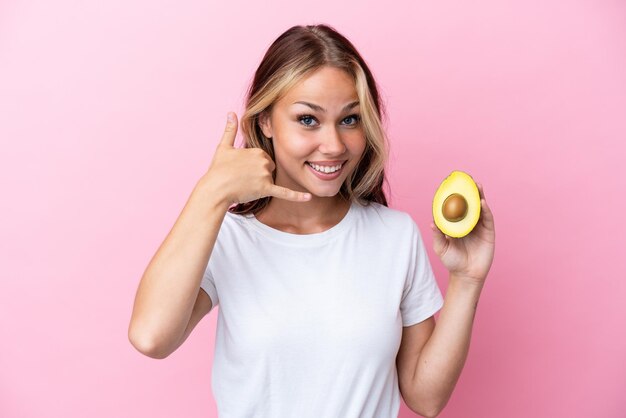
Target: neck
315 215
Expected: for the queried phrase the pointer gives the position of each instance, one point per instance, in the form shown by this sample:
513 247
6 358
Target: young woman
326 294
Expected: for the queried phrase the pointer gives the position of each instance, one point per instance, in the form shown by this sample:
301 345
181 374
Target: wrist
466 281
212 192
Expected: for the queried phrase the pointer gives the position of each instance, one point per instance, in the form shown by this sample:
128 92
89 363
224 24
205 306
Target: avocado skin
462 183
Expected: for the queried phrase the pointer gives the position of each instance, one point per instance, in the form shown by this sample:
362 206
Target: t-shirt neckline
304 239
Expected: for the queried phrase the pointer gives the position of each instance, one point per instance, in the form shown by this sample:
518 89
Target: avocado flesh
467 202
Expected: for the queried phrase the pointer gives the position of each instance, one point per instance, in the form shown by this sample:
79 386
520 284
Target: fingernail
230 117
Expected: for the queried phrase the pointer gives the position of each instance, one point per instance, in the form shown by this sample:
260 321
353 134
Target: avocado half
456 205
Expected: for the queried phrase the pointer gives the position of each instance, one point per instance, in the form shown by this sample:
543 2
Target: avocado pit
454 207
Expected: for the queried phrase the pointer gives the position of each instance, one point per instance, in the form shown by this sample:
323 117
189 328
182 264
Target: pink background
110 112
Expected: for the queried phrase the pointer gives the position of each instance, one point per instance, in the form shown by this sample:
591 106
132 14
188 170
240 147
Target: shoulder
236 217
233 224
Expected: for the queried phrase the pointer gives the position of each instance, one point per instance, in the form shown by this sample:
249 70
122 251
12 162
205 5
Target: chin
323 193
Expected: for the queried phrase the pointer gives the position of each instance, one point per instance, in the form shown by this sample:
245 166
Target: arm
170 285
442 358
432 377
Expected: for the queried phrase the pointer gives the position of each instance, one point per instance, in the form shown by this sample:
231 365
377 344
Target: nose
332 142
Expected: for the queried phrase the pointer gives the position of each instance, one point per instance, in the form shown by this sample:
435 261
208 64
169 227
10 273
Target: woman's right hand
245 174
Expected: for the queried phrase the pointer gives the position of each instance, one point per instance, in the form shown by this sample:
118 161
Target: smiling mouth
326 169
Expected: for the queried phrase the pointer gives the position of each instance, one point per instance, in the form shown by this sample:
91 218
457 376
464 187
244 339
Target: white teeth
325 169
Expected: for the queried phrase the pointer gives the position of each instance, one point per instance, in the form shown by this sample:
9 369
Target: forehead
329 87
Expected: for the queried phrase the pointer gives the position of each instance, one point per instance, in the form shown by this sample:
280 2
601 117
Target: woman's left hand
470 257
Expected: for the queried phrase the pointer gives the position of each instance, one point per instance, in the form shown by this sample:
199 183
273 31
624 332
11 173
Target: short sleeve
421 297
208 285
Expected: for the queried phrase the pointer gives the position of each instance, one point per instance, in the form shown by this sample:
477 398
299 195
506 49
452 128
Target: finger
481 192
483 201
288 194
230 132
440 240
485 214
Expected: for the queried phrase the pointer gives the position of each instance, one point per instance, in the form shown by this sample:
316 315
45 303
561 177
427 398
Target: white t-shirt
310 325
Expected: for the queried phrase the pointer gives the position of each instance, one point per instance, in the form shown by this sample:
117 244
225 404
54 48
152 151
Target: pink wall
110 111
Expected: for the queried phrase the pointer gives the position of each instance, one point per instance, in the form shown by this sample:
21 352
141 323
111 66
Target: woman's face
327 132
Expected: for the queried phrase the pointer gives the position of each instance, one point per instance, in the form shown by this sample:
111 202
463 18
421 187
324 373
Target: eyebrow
321 109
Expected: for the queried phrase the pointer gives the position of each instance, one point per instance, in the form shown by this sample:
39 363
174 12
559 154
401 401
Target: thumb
440 241
230 132
288 194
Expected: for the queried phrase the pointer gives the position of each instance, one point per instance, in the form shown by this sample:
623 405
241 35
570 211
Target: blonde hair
293 56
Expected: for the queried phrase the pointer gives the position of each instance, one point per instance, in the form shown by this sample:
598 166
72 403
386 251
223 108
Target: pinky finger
486 214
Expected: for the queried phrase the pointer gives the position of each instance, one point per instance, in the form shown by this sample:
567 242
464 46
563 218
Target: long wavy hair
293 56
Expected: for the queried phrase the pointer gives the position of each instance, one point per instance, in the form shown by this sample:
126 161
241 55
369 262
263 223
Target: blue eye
357 118
303 117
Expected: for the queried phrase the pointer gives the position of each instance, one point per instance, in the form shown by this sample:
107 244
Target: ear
266 124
